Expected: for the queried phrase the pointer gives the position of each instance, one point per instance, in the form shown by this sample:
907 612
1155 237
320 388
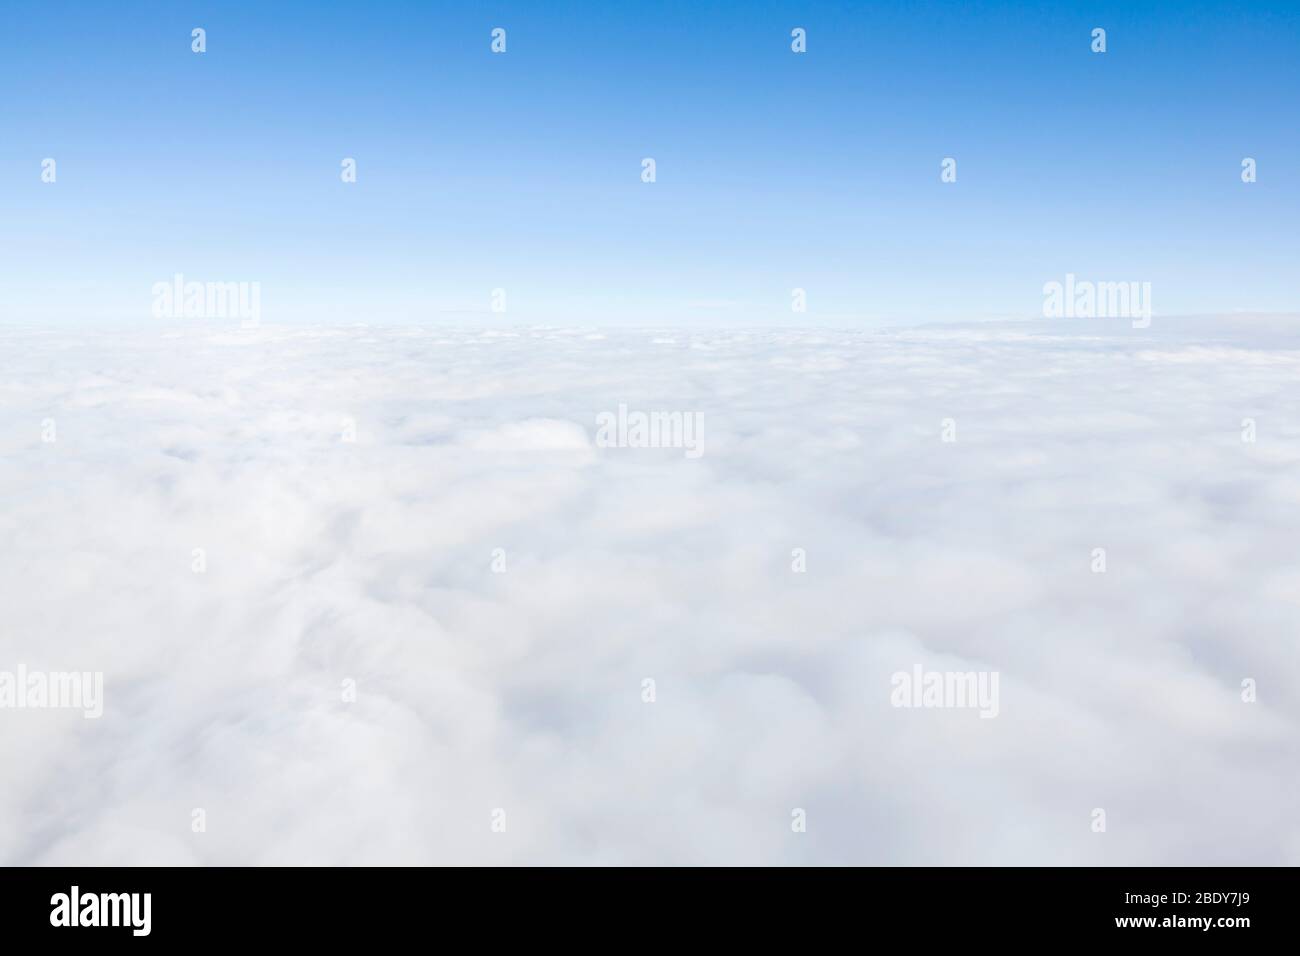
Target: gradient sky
522 171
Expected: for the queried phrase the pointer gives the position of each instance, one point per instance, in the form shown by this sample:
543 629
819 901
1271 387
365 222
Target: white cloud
373 561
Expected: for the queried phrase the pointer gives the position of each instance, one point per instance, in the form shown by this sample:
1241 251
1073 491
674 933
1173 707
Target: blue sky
522 171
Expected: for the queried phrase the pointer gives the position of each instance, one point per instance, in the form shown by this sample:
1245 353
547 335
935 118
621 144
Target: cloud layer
498 585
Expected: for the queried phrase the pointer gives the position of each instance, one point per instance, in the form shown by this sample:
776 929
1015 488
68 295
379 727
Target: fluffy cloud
498 585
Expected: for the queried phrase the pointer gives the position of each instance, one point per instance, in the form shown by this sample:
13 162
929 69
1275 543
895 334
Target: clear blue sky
522 170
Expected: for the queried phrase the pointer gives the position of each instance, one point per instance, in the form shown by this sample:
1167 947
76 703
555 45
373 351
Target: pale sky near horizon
522 170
